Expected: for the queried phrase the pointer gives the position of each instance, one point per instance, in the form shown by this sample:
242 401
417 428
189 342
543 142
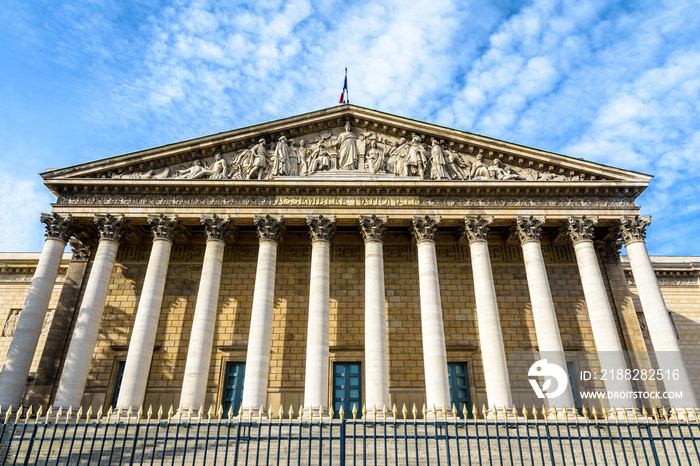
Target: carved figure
195 171
293 162
347 153
480 172
510 174
320 159
437 162
11 323
374 158
456 167
417 159
303 158
260 164
219 168
281 158
395 162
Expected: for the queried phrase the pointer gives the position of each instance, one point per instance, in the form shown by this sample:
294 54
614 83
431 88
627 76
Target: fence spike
655 414
0 409
685 414
331 413
394 411
574 413
584 411
354 412
454 411
424 411
525 413
645 413
69 413
384 411
250 414
19 414
475 413
341 413
179 415
269 413
624 415
604 412
636 417
414 411
160 413
79 414
374 412
484 411
614 413
595 414
404 411
465 412
674 413
291 412
280 413
109 414
665 414
220 411
129 413
28 415
89 413
230 412
260 412
515 413
39 412
139 413
200 412
434 411
8 413
301 413
695 415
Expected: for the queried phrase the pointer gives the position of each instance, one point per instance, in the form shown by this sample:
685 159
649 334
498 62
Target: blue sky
612 82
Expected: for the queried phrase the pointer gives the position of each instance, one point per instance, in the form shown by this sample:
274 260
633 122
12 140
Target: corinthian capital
424 228
609 250
321 228
476 228
111 227
217 228
581 228
529 228
373 228
81 250
58 227
164 227
269 228
634 228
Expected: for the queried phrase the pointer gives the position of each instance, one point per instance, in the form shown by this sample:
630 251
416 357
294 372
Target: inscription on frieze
352 201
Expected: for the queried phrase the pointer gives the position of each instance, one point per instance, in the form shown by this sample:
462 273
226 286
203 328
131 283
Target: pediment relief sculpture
348 151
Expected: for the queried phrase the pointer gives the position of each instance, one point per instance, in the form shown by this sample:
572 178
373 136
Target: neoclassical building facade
346 257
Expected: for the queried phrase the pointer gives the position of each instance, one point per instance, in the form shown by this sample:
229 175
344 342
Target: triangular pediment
345 143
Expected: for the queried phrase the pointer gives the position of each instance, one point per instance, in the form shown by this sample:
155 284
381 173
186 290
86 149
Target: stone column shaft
257 365
376 344
543 312
317 338
437 384
493 353
607 340
87 326
18 360
661 329
194 383
143 336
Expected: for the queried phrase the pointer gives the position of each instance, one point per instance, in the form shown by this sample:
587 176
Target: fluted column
493 353
528 230
18 360
257 365
661 329
376 345
87 326
194 382
321 230
143 336
607 341
437 384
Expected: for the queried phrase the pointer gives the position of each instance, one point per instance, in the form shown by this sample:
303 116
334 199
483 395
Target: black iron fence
440 438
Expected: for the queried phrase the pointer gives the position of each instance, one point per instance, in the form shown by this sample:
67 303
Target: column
257 365
437 384
528 230
321 230
607 341
493 353
18 361
194 383
376 345
661 329
143 336
87 326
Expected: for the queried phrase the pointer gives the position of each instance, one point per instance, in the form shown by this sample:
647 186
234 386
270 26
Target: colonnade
321 228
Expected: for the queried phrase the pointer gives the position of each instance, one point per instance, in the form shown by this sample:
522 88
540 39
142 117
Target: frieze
353 151
24 278
668 278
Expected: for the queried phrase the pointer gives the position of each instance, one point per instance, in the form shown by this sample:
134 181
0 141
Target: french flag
344 92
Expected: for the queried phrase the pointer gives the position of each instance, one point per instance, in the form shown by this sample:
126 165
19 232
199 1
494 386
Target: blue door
233 387
459 387
347 387
118 382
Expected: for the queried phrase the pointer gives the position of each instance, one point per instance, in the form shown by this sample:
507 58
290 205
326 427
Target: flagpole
347 92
